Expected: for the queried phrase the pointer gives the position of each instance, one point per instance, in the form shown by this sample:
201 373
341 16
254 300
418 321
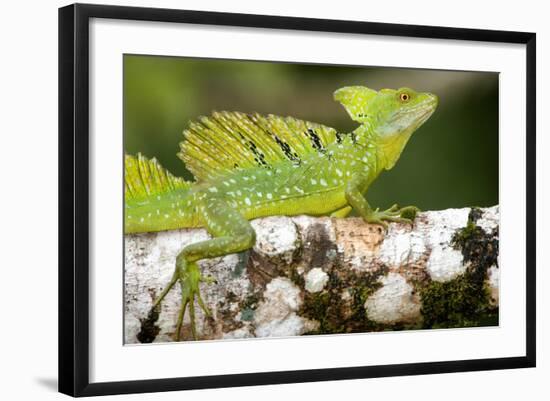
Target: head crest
355 100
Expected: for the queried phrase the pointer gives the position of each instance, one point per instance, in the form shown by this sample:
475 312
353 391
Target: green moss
297 278
461 302
149 329
241 264
464 236
250 302
249 305
247 314
465 300
336 315
316 306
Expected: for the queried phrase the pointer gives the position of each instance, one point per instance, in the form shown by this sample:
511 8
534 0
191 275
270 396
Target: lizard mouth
424 110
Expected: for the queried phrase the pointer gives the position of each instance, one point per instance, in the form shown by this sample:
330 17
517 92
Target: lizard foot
189 276
393 214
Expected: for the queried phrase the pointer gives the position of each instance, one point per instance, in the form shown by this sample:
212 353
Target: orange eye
404 97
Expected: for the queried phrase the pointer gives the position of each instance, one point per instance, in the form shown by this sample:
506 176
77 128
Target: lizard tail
155 200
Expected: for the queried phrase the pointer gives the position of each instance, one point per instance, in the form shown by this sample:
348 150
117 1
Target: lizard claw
393 214
188 275
208 280
394 208
189 278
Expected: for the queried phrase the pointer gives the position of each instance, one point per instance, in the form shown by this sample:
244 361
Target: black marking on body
287 150
354 137
339 137
259 156
315 140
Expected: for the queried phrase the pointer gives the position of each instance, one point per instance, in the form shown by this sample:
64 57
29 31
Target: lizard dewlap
248 166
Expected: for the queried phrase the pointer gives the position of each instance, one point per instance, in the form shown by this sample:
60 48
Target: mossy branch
310 275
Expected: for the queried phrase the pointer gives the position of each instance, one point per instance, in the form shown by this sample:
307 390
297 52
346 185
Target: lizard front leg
354 195
232 233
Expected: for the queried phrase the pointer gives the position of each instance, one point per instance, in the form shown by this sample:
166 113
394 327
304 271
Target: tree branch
324 275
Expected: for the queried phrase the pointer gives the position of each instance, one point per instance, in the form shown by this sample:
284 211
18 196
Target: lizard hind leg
232 233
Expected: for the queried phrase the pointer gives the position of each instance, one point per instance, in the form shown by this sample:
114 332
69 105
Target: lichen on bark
465 300
320 275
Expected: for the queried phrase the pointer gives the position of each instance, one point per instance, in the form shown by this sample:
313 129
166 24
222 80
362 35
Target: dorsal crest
217 145
146 177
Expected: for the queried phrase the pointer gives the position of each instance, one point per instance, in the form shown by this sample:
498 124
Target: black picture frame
74 198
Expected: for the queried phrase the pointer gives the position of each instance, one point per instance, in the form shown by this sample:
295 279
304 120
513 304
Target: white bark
266 291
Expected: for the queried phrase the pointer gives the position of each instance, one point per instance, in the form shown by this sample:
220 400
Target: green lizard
248 166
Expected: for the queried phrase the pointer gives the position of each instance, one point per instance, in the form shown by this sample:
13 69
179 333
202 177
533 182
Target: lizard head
394 114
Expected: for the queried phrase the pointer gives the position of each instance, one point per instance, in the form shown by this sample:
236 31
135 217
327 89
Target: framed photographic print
249 199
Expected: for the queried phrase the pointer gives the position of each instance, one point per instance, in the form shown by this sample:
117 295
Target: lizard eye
404 97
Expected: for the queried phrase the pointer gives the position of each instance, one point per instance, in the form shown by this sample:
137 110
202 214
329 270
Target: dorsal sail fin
146 177
216 145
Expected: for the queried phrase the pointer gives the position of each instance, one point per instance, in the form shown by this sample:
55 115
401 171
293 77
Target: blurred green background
452 161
